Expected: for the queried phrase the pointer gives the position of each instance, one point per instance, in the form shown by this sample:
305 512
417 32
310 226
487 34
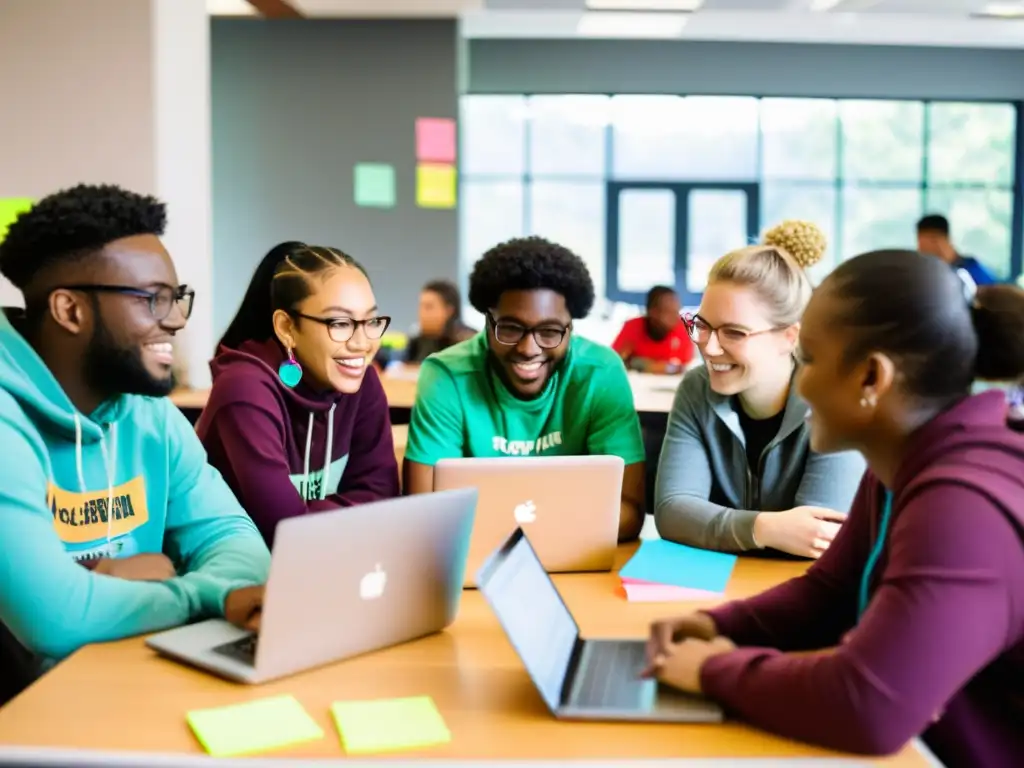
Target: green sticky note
10 208
375 185
255 726
389 725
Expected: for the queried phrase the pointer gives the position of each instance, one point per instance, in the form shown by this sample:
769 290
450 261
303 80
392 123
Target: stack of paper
662 571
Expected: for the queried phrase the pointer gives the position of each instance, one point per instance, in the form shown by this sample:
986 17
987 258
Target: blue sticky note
663 562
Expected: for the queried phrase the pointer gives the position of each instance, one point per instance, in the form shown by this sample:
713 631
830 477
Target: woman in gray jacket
736 470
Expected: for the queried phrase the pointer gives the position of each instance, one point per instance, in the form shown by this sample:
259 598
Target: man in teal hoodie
112 523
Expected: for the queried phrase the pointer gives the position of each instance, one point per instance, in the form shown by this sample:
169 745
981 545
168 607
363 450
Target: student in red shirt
656 342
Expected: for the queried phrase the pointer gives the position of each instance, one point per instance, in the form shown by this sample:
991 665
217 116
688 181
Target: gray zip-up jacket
706 494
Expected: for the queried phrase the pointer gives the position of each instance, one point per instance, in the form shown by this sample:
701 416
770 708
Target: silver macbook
343 583
577 678
569 506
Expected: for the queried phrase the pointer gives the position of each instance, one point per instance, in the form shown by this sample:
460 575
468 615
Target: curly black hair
531 263
73 223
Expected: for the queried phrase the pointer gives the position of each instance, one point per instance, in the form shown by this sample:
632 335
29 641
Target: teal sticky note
375 185
664 562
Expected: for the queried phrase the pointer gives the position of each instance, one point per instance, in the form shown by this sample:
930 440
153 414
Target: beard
119 370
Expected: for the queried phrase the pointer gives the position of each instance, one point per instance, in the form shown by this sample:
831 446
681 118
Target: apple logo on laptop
525 512
371 586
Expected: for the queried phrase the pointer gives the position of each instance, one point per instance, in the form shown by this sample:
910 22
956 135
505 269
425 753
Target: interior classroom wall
744 69
296 105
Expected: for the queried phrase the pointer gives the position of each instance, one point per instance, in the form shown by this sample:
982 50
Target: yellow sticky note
435 185
389 725
10 208
255 726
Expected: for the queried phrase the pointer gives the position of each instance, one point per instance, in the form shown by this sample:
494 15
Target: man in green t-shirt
525 386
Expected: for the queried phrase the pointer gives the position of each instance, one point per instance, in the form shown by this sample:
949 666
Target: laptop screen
532 613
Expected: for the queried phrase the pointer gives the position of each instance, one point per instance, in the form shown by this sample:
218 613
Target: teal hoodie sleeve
53 606
209 536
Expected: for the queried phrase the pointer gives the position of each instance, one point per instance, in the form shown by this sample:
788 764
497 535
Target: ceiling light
630 25
824 5
687 6
1004 10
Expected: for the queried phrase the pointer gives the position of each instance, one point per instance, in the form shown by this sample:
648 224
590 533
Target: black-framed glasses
510 334
342 329
160 300
700 331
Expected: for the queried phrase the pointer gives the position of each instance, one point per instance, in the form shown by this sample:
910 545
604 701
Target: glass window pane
971 143
798 139
490 213
809 202
568 135
697 137
492 132
647 239
979 223
717 222
572 214
882 140
876 218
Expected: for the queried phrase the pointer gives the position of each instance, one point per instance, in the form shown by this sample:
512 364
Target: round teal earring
290 372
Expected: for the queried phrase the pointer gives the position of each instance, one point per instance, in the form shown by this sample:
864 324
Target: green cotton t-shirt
463 409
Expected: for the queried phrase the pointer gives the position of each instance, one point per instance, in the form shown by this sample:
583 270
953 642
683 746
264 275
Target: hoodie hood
970 444
262 359
25 377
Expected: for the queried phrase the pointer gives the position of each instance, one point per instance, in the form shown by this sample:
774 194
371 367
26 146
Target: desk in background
122 697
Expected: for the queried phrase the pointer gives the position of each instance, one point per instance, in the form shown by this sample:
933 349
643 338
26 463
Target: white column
115 91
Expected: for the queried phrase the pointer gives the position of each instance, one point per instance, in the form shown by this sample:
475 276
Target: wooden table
121 696
652 394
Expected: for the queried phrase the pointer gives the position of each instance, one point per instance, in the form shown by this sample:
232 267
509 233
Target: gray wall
755 69
296 104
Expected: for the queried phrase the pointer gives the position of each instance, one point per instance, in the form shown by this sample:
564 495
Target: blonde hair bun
800 239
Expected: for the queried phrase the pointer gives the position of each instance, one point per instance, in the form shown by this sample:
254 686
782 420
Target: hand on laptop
147 567
668 633
802 531
682 669
243 607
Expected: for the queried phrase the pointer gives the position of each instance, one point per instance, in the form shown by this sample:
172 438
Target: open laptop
343 583
577 678
568 505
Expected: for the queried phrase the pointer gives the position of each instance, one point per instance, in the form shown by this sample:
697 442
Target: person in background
112 522
528 386
297 420
657 342
440 322
736 472
917 608
933 239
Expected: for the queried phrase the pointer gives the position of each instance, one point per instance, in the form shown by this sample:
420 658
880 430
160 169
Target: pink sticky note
435 140
648 592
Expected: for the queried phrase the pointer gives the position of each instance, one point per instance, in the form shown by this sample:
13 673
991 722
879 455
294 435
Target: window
798 139
568 135
863 170
882 140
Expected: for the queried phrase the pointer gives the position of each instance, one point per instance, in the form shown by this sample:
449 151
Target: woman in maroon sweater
917 608
297 420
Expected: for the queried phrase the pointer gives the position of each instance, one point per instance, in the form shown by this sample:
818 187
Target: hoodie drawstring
327 455
108 467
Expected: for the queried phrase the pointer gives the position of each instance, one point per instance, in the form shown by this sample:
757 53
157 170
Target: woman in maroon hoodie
297 420
915 615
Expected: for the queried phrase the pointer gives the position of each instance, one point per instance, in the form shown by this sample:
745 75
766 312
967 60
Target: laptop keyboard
611 677
243 649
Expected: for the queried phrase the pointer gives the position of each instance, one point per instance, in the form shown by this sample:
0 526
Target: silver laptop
343 583
569 506
577 678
